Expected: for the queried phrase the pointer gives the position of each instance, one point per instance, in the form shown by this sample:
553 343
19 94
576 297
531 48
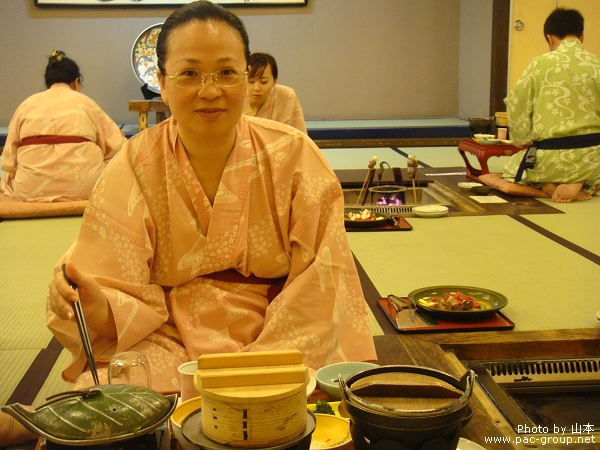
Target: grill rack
544 370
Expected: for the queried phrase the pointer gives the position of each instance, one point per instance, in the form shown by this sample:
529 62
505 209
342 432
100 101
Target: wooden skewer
414 190
413 163
362 196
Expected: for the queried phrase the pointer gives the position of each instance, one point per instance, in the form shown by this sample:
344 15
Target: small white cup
502 133
186 380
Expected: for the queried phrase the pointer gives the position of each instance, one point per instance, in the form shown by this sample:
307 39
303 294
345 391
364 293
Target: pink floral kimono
282 105
47 172
154 242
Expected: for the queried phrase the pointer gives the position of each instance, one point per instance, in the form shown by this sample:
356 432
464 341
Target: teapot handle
84 393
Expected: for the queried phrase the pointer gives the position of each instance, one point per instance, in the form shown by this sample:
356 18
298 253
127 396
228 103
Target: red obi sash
52 139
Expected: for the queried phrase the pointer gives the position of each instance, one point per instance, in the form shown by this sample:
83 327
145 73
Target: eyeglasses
222 78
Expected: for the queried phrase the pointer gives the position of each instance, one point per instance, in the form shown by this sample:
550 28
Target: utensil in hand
129 367
83 331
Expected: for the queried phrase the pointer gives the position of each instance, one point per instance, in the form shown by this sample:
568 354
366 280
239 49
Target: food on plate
323 407
453 302
365 214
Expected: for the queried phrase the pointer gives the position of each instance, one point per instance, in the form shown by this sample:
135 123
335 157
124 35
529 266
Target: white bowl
430 210
327 375
468 184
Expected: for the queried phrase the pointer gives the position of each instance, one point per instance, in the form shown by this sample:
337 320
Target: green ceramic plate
492 300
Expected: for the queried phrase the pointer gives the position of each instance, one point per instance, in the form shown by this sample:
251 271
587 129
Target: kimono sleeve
321 311
116 246
520 105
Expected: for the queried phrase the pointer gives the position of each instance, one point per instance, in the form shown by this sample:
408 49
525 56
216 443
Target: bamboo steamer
252 400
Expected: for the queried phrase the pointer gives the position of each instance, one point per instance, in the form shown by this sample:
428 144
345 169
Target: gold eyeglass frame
203 77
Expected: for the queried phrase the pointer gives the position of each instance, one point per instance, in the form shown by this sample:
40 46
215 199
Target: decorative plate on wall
143 57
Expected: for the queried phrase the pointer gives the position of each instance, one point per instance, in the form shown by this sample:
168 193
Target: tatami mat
30 249
358 158
54 383
435 156
579 225
14 364
548 286
33 247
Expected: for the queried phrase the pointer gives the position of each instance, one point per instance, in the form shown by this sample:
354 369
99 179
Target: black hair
563 22
258 64
202 11
61 69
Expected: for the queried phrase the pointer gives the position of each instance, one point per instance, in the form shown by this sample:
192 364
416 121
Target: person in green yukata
556 105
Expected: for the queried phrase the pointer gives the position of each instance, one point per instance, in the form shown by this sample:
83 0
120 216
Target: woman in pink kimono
212 231
267 98
59 141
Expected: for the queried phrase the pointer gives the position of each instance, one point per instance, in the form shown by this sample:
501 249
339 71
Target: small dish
327 375
334 405
468 184
482 190
430 210
311 386
331 432
143 57
183 410
487 141
484 136
465 444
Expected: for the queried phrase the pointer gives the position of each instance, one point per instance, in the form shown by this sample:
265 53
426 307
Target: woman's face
260 87
208 111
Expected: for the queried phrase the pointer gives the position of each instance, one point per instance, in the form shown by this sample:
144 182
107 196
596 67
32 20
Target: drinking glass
129 368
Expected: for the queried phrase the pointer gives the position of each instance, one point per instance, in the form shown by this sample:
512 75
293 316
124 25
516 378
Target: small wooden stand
483 152
145 106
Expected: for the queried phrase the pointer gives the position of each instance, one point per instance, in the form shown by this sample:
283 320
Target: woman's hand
95 304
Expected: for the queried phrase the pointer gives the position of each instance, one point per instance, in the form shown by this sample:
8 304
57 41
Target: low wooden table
145 106
483 152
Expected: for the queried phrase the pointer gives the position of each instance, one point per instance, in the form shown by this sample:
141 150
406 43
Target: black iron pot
410 428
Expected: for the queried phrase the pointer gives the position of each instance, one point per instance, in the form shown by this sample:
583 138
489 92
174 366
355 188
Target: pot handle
343 388
466 381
